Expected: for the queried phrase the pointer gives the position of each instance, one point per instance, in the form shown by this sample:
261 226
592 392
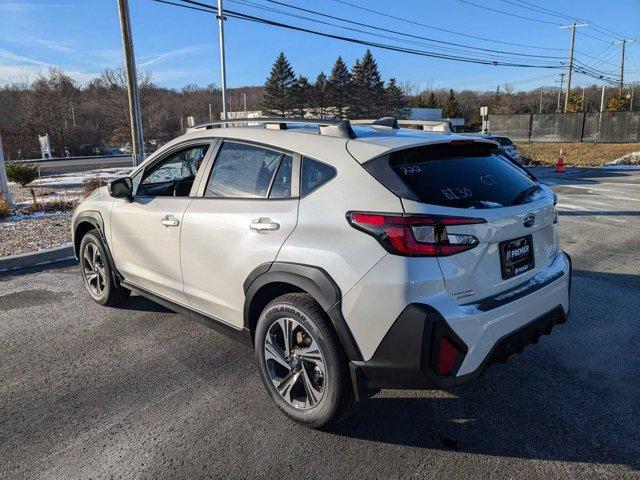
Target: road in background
89 391
57 166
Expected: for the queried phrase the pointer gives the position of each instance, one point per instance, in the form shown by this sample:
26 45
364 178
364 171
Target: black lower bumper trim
404 359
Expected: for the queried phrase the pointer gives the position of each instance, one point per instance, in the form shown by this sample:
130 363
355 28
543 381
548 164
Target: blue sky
179 46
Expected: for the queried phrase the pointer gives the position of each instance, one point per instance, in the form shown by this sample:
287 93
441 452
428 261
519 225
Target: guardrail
54 160
57 165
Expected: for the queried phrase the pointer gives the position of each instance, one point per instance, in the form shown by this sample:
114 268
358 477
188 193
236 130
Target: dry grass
91 184
5 209
576 154
56 205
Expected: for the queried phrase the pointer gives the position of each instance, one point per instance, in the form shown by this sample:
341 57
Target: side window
243 171
314 175
182 164
281 187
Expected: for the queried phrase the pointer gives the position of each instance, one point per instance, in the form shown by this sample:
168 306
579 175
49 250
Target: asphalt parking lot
140 392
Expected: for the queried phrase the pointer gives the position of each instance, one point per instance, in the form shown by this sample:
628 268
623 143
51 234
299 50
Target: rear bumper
408 354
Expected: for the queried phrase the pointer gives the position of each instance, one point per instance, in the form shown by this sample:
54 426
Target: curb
49 255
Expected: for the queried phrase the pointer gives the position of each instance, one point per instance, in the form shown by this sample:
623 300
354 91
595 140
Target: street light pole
223 72
135 112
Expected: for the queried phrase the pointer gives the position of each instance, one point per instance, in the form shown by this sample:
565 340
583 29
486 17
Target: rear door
467 179
246 208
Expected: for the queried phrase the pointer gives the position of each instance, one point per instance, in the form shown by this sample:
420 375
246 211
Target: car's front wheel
302 363
97 272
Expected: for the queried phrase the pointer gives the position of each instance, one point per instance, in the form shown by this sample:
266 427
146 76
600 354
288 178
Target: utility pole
560 92
210 114
582 103
631 100
244 96
622 42
223 72
135 113
570 68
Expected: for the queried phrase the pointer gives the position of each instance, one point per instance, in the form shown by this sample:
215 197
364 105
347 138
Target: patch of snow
32 216
632 158
77 179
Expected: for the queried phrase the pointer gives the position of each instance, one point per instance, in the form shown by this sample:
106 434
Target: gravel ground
24 234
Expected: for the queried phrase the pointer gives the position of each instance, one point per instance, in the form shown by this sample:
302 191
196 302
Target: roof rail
331 127
442 126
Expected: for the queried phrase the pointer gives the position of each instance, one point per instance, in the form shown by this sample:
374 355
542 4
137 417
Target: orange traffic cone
560 162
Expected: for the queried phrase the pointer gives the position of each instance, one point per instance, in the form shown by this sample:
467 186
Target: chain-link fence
605 127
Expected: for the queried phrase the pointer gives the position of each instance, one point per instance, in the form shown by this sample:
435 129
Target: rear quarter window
314 174
466 175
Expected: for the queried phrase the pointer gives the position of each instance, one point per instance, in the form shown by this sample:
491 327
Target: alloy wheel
94 270
295 363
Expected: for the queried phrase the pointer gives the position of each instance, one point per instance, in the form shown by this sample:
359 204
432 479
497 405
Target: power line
617 35
326 15
509 13
315 20
239 15
191 4
406 20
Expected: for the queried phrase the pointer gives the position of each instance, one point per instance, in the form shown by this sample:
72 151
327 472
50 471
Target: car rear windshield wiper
522 196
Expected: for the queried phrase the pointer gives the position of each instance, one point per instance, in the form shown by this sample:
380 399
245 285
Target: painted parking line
583 208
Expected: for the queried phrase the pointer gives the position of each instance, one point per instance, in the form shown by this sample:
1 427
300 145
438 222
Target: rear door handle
170 221
264 225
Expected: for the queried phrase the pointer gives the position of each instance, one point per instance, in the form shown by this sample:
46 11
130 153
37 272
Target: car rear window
467 175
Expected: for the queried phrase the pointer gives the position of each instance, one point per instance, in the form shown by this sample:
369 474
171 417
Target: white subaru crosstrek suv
350 259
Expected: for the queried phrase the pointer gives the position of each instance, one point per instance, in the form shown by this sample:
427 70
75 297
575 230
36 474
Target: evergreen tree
432 102
340 88
368 99
278 89
451 109
396 103
301 95
320 94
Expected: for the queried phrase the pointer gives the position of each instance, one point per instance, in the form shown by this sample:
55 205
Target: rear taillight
416 235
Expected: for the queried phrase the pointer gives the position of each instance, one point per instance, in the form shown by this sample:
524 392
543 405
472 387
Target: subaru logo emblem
529 220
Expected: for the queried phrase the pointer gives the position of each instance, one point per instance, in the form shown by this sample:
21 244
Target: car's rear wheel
302 363
97 272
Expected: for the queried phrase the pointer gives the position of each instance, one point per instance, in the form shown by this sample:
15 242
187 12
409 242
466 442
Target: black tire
337 397
103 289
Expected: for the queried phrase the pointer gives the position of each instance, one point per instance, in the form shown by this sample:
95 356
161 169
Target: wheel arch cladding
270 280
84 222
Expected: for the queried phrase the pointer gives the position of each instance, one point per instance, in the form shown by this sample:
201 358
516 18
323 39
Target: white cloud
16 68
150 60
16 57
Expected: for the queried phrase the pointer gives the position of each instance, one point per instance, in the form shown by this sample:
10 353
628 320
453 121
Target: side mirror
121 188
